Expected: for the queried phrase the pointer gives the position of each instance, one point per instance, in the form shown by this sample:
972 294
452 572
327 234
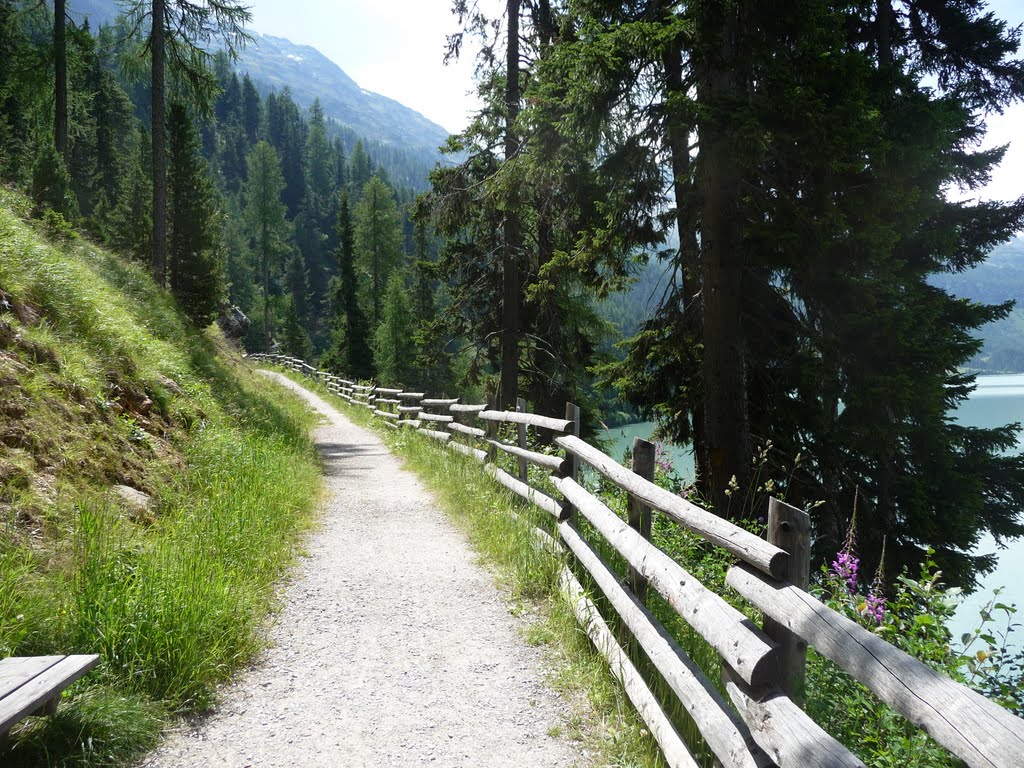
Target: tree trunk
157 41
60 87
511 287
265 247
884 21
724 369
677 139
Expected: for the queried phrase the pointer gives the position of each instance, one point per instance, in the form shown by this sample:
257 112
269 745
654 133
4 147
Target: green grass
498 526
103 382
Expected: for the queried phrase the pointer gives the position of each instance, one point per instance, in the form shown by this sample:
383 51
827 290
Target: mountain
275 63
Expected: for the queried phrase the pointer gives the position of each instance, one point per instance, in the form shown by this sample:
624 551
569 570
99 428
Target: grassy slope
103 383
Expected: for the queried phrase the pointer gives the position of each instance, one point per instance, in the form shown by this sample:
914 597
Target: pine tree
349 353
377 242
194 253
360 169
296 341
265 215
252 109
51 182
393 347
178 29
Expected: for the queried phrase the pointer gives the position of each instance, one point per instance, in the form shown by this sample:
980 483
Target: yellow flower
982 655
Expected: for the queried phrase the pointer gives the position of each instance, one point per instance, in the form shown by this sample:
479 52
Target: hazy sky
395 47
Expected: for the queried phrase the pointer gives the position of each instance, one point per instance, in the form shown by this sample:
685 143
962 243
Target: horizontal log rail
444 437
759 721
464 430
742 543
442 418
530 419
466 408
975 729
546 460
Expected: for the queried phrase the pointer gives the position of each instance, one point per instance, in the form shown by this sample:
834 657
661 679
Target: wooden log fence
759 722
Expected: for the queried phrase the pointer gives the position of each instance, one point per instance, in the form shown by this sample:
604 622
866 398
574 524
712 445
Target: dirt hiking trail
393 648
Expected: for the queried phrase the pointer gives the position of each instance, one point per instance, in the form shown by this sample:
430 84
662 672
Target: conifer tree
194 253
265 215
178 30
295 341
393 347
350 352
377 242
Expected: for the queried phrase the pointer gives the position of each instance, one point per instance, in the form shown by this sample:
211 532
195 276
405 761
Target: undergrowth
104 384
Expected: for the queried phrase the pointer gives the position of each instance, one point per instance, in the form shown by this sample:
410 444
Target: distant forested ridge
998 279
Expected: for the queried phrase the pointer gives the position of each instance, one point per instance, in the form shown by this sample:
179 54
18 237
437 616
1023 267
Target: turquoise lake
998 400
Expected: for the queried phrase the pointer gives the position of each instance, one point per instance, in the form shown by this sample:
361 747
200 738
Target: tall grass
173 600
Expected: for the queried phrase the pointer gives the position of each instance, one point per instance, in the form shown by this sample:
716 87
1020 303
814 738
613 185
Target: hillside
278 63
151 490
999 279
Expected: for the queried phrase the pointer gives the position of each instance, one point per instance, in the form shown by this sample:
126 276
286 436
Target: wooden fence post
789 529
572 413
523 464
640 513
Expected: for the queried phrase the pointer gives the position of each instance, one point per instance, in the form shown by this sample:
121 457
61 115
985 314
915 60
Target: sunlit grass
173 600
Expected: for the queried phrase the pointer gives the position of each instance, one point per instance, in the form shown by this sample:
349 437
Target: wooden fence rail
760 721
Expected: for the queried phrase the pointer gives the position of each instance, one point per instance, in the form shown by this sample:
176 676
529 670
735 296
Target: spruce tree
51 182
178 32
393 346
377 242
265 216
350 353
194 252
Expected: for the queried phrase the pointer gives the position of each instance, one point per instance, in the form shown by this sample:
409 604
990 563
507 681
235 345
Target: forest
776 173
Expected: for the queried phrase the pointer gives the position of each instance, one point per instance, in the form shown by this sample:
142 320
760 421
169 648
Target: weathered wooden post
523 464
572 462
789 529
640 513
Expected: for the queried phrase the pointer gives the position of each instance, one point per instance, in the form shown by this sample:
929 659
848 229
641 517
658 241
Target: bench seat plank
18 670
40 689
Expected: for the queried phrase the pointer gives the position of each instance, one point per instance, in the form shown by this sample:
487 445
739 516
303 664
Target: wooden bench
32 685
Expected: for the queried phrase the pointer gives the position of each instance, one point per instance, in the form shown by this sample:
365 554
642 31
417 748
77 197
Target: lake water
998 400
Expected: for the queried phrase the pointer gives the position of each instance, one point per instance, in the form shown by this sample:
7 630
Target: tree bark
511 279
157 42
724 370
884 21
60 88
677 139
266 289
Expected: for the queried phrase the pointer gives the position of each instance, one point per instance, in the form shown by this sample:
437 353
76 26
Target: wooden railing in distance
760 721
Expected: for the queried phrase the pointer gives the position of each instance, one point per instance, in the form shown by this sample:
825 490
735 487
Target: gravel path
394 648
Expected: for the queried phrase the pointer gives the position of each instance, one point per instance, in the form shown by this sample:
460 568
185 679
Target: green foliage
265 216
378 249
294 339
106 382
51 183
350 352
394 348
195 251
